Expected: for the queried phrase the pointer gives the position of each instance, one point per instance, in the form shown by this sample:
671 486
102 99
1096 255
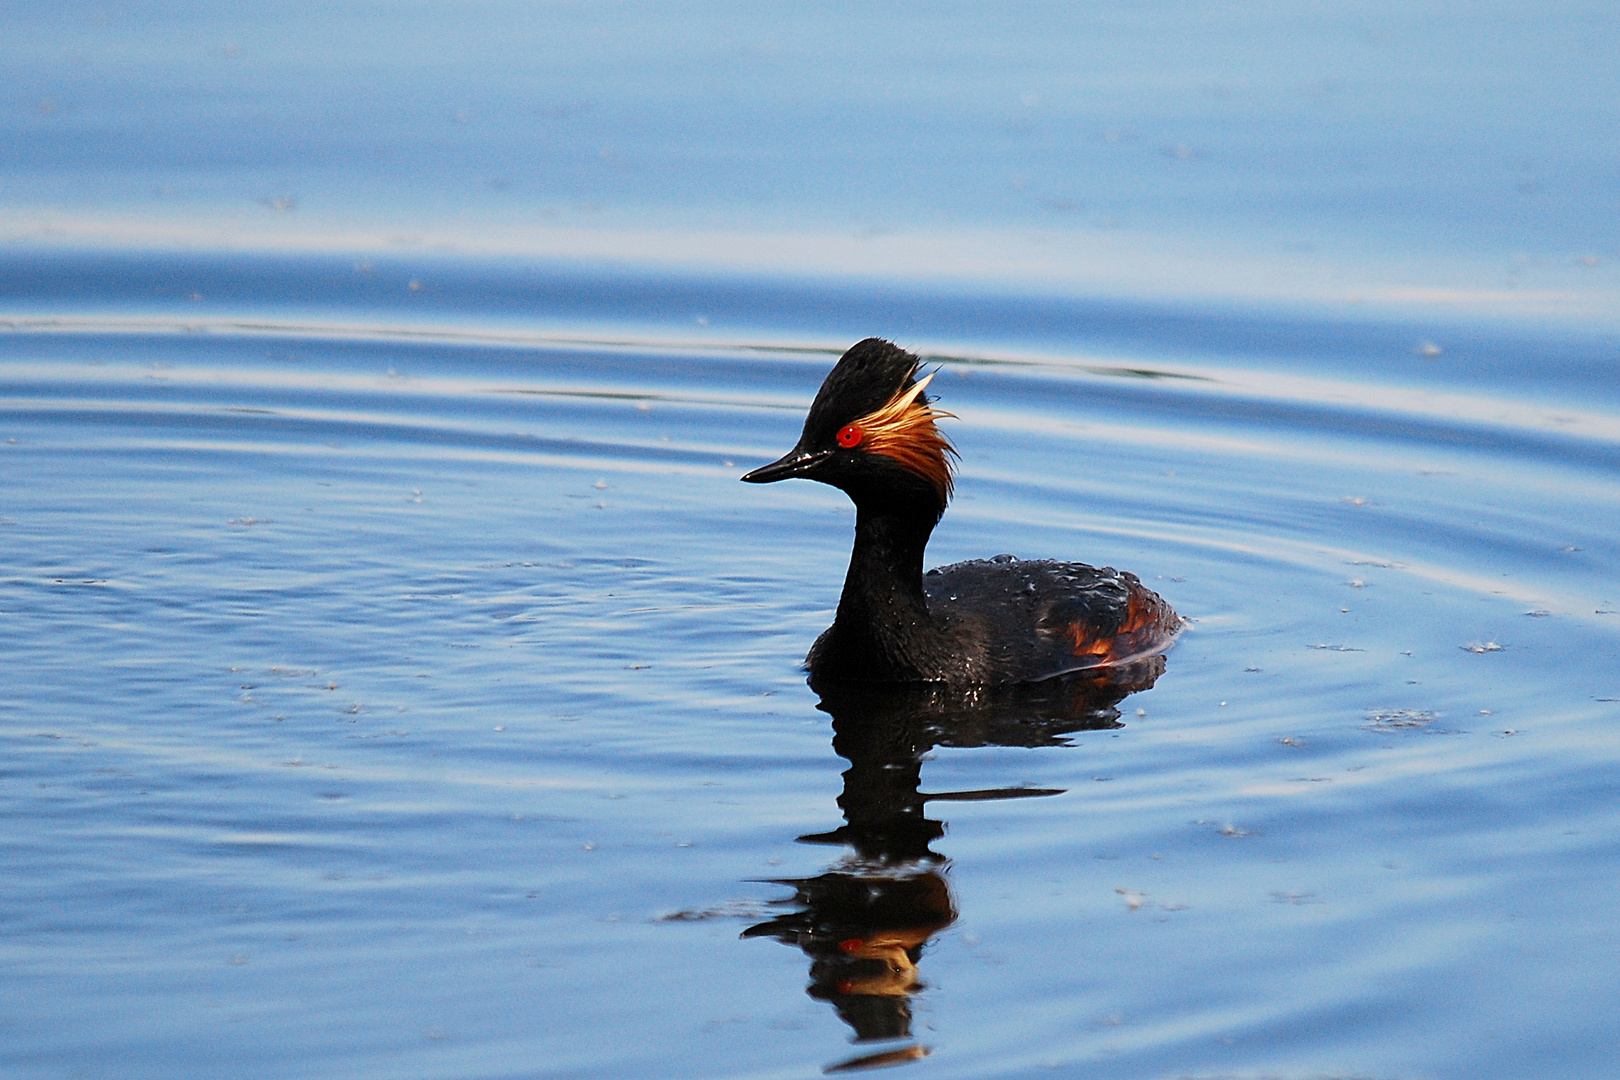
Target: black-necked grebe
871 432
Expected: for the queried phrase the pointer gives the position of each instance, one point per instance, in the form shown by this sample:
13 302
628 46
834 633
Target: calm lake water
399 683
1403 155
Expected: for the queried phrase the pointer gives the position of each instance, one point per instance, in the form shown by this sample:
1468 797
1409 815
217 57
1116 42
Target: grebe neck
883 606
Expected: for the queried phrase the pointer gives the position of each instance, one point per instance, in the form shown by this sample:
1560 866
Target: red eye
850 437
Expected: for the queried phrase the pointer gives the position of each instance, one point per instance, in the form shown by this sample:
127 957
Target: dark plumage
871 433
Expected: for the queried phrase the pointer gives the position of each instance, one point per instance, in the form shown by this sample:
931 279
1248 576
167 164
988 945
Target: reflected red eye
850 437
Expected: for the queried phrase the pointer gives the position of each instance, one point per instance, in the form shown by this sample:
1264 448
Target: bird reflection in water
865 921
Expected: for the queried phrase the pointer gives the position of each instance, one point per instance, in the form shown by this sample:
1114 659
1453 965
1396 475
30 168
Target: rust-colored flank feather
904 430
1149 627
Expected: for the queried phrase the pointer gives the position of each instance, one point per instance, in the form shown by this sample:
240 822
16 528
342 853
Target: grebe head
871 432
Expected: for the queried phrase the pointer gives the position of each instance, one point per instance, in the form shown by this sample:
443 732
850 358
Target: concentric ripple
390 696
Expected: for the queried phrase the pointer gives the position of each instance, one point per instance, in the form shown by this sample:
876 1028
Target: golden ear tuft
904 430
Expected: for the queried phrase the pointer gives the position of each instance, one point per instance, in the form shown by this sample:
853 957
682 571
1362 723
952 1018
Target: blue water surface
1431 157
394 696
398 682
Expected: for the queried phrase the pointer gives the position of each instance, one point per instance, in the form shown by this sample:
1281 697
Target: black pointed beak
795 462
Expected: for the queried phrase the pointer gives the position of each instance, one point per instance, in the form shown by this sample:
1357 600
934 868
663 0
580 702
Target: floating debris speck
1391 719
